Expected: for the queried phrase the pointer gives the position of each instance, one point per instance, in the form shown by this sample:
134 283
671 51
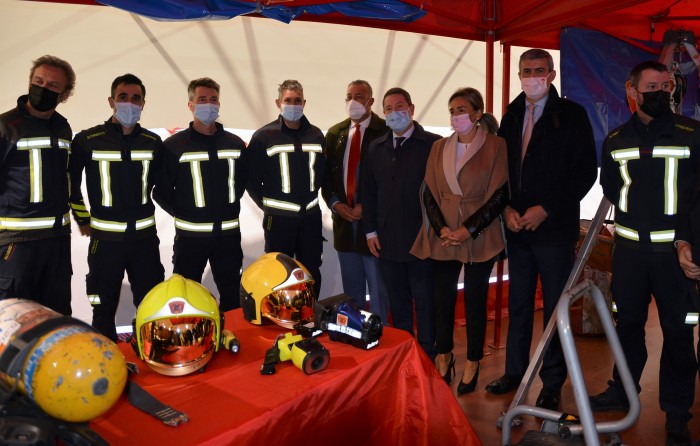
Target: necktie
399 141
353 160
528 128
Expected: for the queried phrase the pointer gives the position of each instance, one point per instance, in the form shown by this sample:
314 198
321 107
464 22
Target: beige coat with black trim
461 189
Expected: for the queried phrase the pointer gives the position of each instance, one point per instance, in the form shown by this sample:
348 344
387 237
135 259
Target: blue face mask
398 121
292 113
127 114
206 113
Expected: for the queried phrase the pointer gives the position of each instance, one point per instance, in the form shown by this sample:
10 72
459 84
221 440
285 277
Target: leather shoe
549 399
609 399
504 384
677 433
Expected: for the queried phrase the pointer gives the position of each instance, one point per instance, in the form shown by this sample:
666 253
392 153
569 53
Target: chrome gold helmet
178 327
279 288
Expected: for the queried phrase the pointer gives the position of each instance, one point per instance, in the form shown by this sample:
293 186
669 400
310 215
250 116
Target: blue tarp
167 10
594 69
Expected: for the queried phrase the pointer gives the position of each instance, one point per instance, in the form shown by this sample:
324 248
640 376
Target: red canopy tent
528 23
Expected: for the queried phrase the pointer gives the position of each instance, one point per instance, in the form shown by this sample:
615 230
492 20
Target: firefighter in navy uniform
120 159
286 171
648 170
201 185
35 142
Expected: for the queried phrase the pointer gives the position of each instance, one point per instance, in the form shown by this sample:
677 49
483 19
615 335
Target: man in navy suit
394 169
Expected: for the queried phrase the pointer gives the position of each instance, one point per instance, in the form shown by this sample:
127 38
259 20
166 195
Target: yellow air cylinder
71 372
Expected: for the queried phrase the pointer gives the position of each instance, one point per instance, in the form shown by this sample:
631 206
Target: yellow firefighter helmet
279 288
178 327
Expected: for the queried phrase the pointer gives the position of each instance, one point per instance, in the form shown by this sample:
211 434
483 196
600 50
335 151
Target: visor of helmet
290 305
179 345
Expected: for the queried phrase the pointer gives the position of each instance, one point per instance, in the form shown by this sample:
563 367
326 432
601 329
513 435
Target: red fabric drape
391 394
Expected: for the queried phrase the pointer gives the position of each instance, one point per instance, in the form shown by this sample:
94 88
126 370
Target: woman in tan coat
464 192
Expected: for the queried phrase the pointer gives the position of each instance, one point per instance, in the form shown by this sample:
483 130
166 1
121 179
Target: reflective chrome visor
181 344
290 305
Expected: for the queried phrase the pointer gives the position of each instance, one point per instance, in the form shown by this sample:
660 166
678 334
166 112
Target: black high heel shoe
450 372
469 387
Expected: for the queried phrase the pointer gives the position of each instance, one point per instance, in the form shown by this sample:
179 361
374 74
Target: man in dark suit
346 146
551 165
394 169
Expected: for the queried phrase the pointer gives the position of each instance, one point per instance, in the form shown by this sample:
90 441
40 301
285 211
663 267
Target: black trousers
410 284
225 256
552 264
298 237
476 291
39 270
637 276
107 261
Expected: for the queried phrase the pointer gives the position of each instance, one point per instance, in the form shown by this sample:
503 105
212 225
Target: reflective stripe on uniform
285 148
672 155
313 203
41 143
118 226
21 224
204 227
662 236
312 149
94 299
284 171
283 151
230 156
106 156
34 147
622 156
626 232
691 318
145 156
194 158
654 236
286 205
312 172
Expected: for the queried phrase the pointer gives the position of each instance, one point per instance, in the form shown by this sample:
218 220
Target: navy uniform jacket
119 174
333 189
658 162
391 186
558 170
33 175
202 181
286 168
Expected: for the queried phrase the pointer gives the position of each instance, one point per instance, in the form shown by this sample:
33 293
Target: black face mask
656 103
42 99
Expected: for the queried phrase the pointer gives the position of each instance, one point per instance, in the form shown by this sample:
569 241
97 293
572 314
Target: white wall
249 57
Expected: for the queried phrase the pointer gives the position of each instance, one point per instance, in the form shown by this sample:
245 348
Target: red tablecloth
389 395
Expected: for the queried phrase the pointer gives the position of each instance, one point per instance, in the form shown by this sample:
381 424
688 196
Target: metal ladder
588 426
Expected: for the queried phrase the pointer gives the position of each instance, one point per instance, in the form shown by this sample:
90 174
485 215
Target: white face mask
292 113
127 114
534 87
206 113
355 109
462 124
